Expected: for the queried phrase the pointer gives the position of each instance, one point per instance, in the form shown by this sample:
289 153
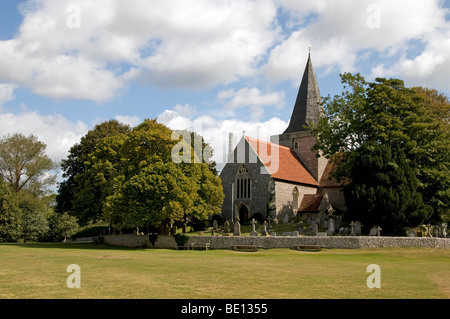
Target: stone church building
284 177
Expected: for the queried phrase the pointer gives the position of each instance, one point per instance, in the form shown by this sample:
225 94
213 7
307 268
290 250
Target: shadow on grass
70 245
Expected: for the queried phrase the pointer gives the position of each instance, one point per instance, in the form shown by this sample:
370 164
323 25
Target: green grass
39 271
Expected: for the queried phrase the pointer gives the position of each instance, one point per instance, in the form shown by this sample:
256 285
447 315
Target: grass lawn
39 271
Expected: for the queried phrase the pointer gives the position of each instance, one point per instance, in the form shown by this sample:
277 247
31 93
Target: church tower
307 108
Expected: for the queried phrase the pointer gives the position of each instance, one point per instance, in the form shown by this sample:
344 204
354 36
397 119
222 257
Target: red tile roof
289 167
310 203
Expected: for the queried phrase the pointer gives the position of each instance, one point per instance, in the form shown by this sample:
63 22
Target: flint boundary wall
226 242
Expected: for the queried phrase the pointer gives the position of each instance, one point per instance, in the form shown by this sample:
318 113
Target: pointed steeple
308 104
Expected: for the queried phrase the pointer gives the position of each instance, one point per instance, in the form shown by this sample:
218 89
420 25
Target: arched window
243 182
295 199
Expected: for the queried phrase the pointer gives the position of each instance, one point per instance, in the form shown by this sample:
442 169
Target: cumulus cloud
130 120
6 93
58 133
216 132
251 98
348 35
91 50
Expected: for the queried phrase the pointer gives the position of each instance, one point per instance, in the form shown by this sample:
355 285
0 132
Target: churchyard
41 271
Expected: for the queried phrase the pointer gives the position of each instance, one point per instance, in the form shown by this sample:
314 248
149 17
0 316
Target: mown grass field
29 271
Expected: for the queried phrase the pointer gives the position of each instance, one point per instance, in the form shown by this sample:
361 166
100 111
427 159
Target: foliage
10 227
134 178
77 194
413 120
151 186
24 164
181 239
383 190
64 226
33 215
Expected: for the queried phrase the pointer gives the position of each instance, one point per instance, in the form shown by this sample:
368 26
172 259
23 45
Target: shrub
181 239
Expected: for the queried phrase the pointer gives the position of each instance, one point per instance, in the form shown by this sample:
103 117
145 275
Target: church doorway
243 213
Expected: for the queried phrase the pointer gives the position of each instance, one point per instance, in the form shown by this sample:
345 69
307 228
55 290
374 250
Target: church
283 178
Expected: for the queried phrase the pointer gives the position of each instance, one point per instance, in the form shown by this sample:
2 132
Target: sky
214 67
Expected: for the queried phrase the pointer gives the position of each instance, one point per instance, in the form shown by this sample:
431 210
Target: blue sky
211 66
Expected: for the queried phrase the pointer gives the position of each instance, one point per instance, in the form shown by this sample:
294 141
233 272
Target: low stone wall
225 242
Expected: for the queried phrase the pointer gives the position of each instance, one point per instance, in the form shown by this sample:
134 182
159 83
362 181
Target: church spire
308 104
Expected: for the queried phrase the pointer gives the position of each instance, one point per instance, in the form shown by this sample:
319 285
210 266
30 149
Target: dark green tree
74 166
10 228
413 120
383 190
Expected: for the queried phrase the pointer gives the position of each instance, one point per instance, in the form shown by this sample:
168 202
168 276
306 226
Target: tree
24 164
81 200
413 120
64 226
383 190
9 215
33 216
150 188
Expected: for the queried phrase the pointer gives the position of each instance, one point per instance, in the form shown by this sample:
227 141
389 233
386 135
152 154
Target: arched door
243 213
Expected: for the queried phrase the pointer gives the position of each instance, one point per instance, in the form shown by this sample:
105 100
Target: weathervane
309 47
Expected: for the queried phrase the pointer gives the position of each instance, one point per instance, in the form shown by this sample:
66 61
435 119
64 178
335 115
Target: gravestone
286 219
375 231
315 229
331 226
321 234
237 228
358 227
352 228
254 232
215 225
264 232
412 233
226 227
273 234
444 230
287 233
295 233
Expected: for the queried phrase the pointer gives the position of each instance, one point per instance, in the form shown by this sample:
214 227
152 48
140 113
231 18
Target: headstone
287 233
436 231
264 232
331 226
237 228
226 227
315 230
184 228
295 233
215 225
352 228
286 219
358 227
321 234
273 234
325 223
444 230
254 232
412 233
375 231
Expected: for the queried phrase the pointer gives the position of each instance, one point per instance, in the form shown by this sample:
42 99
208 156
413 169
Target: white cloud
252 98
342 34
216 132
130 120
192 43
58 133
6 92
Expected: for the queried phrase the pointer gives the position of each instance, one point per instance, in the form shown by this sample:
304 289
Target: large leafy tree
24 164
10 227
85 207
152 185
413 120
383 190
